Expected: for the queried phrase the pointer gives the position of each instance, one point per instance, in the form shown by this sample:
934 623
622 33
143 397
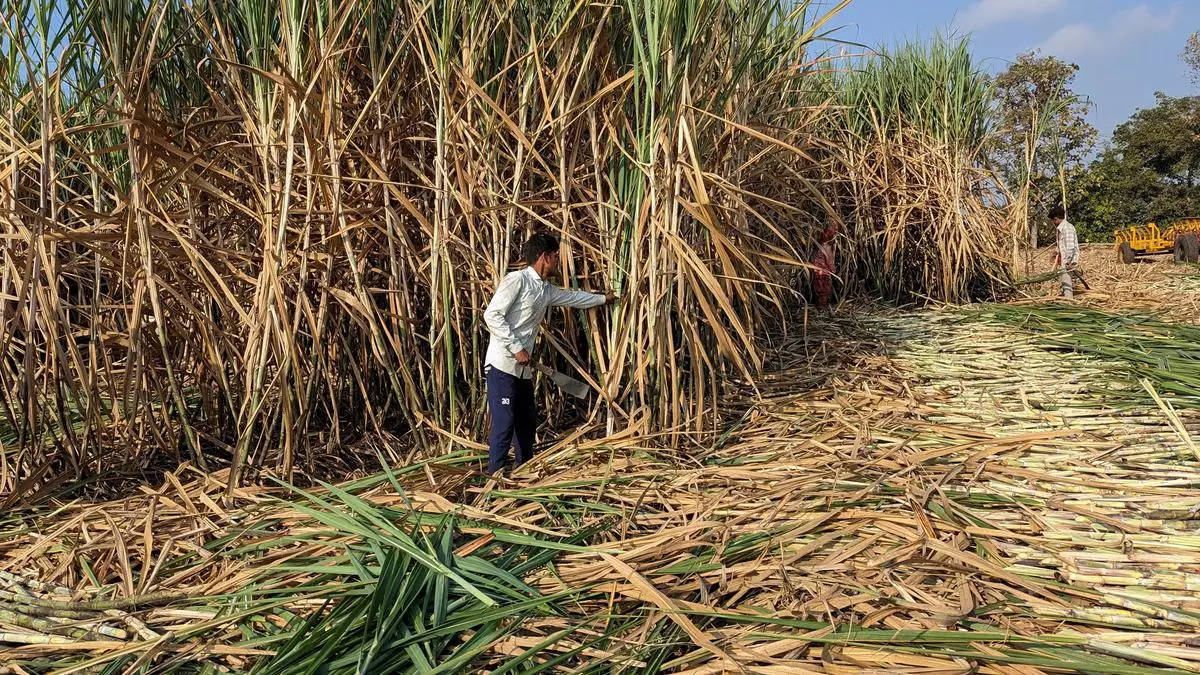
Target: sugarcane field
661 336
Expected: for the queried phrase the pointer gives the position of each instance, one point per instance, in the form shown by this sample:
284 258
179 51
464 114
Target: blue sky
1126 49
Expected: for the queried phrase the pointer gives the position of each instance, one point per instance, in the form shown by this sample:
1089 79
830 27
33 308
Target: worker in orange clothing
824 263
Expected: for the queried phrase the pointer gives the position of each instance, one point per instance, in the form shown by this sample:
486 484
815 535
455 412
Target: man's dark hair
538 244
1057 212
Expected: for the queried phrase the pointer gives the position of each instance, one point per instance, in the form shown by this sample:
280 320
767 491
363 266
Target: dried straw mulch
917 492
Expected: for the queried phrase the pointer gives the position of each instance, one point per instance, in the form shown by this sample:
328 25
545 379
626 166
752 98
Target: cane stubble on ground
993 487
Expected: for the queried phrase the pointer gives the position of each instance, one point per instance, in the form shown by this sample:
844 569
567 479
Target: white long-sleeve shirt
1068 243
515 314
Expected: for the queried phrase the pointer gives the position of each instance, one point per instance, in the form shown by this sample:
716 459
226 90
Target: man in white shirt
1067 258
513 318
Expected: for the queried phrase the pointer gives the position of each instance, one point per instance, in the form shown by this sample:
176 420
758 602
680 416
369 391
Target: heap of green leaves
1139 347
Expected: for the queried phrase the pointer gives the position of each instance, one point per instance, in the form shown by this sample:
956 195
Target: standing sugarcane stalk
315 198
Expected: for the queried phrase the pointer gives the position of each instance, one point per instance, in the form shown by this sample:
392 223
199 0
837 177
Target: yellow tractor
1182 239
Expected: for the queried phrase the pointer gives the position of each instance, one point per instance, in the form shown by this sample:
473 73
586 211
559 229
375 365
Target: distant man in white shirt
513 318
1067 258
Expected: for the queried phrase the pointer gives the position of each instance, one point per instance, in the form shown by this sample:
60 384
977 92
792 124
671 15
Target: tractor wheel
1126 253
1186 243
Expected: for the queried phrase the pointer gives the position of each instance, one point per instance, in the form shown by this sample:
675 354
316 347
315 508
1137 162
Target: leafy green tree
1043 137
1191 56
1150 172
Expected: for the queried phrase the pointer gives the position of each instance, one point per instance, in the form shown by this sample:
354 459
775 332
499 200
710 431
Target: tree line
1048 154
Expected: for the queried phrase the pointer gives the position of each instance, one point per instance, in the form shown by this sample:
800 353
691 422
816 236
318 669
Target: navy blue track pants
514 418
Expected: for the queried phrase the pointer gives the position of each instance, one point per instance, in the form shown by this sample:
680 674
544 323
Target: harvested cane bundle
948 500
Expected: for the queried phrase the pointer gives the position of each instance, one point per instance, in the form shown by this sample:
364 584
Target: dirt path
1154 283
